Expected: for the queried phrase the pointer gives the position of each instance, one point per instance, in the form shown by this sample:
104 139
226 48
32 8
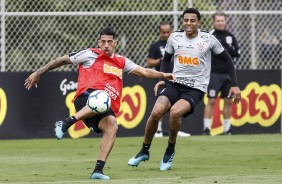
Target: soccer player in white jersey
154 59
191 50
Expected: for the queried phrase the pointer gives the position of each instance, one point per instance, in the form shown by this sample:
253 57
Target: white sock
207 123
227 125
160 126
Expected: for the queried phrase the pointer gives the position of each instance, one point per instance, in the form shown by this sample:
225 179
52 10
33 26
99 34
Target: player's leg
208 112
213 89
188 99
227 107
83 112
180 108
109 127
159 132
168 96
161 106
227 115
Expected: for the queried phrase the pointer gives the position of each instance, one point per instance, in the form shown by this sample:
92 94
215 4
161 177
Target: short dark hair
163 23
218 13
108 31
192 10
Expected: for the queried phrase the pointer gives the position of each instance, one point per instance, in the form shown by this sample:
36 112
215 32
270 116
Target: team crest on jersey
201 47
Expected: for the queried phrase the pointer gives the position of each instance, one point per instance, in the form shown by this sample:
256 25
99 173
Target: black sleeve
166 65
230 68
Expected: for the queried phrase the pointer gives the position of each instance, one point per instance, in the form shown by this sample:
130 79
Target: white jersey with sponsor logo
192 58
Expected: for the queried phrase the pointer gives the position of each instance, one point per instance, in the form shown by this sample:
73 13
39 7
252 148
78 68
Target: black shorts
175 91
93 122
219 82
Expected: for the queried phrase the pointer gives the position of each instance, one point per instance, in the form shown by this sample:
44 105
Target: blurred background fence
34 32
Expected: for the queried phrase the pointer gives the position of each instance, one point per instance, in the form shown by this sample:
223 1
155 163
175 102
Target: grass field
199 159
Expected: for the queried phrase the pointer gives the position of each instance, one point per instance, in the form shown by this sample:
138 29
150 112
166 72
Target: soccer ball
99 101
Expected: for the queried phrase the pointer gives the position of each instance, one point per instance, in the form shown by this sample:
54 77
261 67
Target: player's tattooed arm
60 61
34 78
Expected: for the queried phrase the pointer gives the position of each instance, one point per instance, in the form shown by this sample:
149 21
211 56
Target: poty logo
259 104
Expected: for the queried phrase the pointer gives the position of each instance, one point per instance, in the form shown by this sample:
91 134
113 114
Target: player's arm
217 48
60 61
166 63
166 66
34 78
230 68
152 74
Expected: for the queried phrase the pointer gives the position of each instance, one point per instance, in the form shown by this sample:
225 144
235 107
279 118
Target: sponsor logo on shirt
112 91
188 60
113 70
186 81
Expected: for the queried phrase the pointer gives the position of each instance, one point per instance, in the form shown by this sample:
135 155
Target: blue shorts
175 91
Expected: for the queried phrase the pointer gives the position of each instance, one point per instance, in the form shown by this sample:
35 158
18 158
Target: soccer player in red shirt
99 69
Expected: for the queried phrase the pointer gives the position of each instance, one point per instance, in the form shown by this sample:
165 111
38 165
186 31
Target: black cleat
206 132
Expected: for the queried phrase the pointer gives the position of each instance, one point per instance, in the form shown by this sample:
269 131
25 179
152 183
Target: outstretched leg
109 126
62 126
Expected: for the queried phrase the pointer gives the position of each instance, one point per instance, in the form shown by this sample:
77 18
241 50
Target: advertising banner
260 108
26 114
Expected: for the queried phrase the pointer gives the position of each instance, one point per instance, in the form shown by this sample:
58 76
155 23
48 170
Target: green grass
198 159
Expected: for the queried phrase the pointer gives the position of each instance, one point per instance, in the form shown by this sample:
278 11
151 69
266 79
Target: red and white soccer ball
99 101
